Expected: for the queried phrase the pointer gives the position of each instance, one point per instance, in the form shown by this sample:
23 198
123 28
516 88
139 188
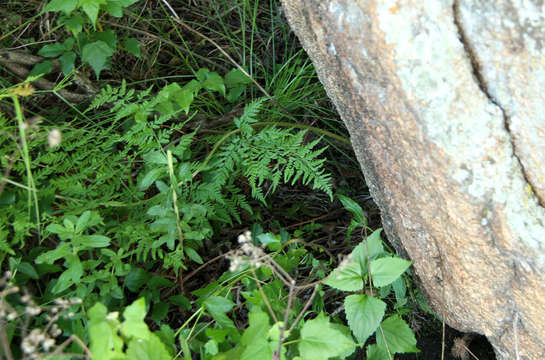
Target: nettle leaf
211 80
399 336
91 8
346 277
364 313
134 324
96 54
49 257
74 23
83 220
320 340
70 276
67 61
374 352
254 337
385 270
66 6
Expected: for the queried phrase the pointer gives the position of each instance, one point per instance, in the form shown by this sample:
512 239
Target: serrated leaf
66 6
364 313
385 270
136 278
134 324
374 352
353 207
399 336
96 54
217 307
347 277
28 270
235 78
319 340
91 8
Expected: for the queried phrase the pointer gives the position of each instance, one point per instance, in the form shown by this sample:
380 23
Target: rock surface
445 104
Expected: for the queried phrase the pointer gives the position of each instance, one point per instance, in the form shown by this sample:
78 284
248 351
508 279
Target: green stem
32 193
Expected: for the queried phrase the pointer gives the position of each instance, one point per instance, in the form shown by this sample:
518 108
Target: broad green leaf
399 336
41 68
150 177
271 240
67 61
155 157
28 270
235 77
49 257
400 289
319 340
133 46
91 7
70 276
346 277
180 301
66 6
149 349
52 50
385 270
74 24
105 343
211 347
217 307
160 310
364 313
95 241
81 224
211 80
136 279
96 54
57 229
134 324
184 98
108 36
374 352
254 337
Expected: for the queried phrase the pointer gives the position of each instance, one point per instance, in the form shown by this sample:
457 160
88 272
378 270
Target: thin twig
277 355
307 304
264 297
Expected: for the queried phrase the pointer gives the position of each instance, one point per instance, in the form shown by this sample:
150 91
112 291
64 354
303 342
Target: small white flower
12 316
54 137
33 310
47 344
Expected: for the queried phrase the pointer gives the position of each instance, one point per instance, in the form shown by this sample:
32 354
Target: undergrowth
156 218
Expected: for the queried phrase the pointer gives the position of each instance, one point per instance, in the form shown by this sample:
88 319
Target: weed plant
172 213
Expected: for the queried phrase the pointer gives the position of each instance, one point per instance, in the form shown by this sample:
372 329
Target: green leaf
150 177
160 310
81 224
52 50
49 257
346 277
319 340
95 241
136 279
254 337
149 349
235 78
385 270
41 68
354 208
193 255
133 46
134 324
28 270
217 307
67 61
70 276
271 240
211 80
180 301
108 36
66 6
74 24
374 352
399 336
91 7
96 54
155 157
364 313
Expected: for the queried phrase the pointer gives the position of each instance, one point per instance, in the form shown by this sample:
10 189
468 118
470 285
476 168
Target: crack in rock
481 83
